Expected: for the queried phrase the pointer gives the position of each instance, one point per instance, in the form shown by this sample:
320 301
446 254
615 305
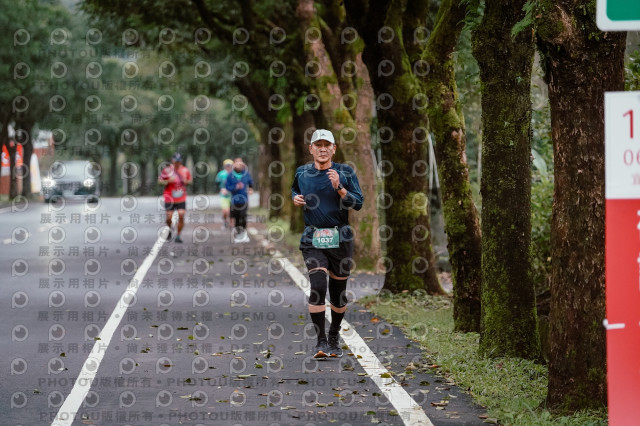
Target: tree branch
211 21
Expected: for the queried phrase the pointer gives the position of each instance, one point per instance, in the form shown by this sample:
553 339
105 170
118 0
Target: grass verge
279 228
513 390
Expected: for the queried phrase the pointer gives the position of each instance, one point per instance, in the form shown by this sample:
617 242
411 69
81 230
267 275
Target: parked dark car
74 179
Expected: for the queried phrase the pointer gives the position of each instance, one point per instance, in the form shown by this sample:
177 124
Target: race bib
324 238
177 193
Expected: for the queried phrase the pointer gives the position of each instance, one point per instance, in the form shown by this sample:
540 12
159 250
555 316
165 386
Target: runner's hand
298 201
334 177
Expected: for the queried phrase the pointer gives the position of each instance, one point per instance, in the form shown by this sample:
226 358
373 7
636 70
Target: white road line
72 403
409 411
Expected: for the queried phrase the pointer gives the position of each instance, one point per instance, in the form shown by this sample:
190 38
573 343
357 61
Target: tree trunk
12 148
4 138
411 263
509 323
581 63
112 189
27 151
258 97
272 163
276 172
263 168
365 221
301 121
445 116
144 178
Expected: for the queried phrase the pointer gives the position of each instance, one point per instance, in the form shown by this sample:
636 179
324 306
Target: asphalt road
107 323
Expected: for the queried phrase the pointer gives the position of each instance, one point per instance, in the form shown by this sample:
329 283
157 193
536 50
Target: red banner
5 158
623 309
622 255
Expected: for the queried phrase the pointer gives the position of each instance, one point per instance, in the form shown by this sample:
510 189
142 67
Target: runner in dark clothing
326 191
240 185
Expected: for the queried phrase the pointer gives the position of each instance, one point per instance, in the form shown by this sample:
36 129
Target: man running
175 177
240 186
326 191
225 196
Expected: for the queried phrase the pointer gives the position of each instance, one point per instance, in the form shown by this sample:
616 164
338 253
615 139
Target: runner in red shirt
175 177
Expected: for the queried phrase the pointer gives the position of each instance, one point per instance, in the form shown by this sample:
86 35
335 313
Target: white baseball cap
322 134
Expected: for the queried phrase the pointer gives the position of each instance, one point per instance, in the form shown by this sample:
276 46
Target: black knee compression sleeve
318 279
338 292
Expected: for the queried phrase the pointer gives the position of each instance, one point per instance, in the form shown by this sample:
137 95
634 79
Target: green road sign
618 15
623 10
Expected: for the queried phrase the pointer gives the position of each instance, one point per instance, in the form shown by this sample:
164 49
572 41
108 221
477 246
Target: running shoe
334 346
178 239
322 349
240 235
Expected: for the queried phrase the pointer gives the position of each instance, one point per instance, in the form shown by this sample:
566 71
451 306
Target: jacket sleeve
354 197
295 188
230 183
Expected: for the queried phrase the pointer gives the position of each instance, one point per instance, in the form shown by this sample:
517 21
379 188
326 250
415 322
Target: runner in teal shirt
225 196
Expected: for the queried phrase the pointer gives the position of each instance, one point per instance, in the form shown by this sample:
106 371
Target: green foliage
528 20
475 10
541 204
110 117
512 389
37 29
632 71
541 198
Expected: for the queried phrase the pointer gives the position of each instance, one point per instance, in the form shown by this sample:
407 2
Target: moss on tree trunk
461 218
509 324
259 96
411 263
581 63
366 221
